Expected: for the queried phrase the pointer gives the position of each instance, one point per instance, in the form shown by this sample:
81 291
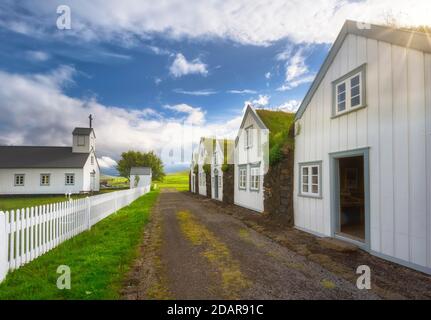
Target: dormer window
248 143
349 92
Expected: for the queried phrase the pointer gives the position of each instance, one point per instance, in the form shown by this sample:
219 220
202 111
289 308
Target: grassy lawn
98 259
177 180
18 202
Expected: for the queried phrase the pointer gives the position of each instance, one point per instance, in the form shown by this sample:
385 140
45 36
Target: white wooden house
140 177
51 170
204 154
251 161
193 175
222 154
363 145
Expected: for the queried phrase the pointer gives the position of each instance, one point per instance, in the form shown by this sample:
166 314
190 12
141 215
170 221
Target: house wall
88 168
217 166
202 181
251 156
396 126
32 181
144 181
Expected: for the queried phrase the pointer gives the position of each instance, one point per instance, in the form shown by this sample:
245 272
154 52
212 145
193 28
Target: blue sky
148 70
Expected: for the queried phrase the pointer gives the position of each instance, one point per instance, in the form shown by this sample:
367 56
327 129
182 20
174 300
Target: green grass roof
279 124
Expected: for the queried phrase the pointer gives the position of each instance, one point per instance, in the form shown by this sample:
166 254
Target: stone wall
229 184
278 186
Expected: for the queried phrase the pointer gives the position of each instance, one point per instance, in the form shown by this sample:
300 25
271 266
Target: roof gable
401 37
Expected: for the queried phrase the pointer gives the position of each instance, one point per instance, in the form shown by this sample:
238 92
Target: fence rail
26 234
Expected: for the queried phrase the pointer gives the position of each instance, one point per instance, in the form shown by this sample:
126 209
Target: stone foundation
278 186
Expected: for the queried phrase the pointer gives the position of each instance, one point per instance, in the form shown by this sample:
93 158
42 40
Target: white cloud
106 162
289 106
157 81
245 91
38 55
205 92
260 102
268 75
297 71
36 111
195 116
257 22
181 67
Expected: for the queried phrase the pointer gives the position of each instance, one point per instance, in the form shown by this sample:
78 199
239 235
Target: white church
51 170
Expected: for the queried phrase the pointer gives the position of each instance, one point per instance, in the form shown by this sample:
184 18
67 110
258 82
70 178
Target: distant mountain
168 169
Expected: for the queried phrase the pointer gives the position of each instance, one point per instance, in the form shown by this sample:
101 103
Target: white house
193 175
204 154
221 155
51 170
140 177
363 145
251 161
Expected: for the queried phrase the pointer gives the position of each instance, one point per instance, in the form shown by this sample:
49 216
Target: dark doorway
351 197
216 177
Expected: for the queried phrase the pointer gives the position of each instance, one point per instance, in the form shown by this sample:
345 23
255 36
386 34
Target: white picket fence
28 233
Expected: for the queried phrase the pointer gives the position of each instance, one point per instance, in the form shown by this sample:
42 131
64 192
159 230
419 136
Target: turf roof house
51 170
222 156
204 154
259 145
363 145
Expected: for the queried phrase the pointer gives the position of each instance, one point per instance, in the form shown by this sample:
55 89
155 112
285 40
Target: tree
132 158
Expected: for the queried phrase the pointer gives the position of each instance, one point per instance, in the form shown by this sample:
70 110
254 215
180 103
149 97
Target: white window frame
346 81
242 177
255 178
44 183
67 180
22 177
307 179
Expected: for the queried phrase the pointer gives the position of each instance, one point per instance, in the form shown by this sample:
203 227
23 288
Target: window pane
342 97
315 170
305 179
305 171
356 101
354 81
341 106
304 188
314 188
355 91
341 88
315 180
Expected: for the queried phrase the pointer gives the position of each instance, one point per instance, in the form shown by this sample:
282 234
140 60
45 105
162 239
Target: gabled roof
82 131
140 171
250 111
25 157
402 37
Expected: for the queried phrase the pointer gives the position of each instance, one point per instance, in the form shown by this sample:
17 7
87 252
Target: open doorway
351 198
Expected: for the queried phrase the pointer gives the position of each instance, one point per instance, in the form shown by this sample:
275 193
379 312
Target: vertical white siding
396 126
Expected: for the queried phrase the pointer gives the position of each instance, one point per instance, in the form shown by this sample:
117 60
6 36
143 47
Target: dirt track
195 251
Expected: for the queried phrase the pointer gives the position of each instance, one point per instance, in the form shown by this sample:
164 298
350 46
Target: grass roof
279 124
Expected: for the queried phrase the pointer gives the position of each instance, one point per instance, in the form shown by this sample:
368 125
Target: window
92 160
19 180
254 178
242 178
350 91
44 179
70 179
219 182
215 158
310 183
248 143
81 140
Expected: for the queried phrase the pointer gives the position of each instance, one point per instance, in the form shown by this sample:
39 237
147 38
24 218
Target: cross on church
91 120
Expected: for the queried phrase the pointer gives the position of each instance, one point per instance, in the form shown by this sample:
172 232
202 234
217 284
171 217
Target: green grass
279 123
99 259
177 180
116 182
19 202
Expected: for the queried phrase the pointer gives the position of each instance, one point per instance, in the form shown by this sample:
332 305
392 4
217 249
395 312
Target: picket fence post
88 204
3 247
